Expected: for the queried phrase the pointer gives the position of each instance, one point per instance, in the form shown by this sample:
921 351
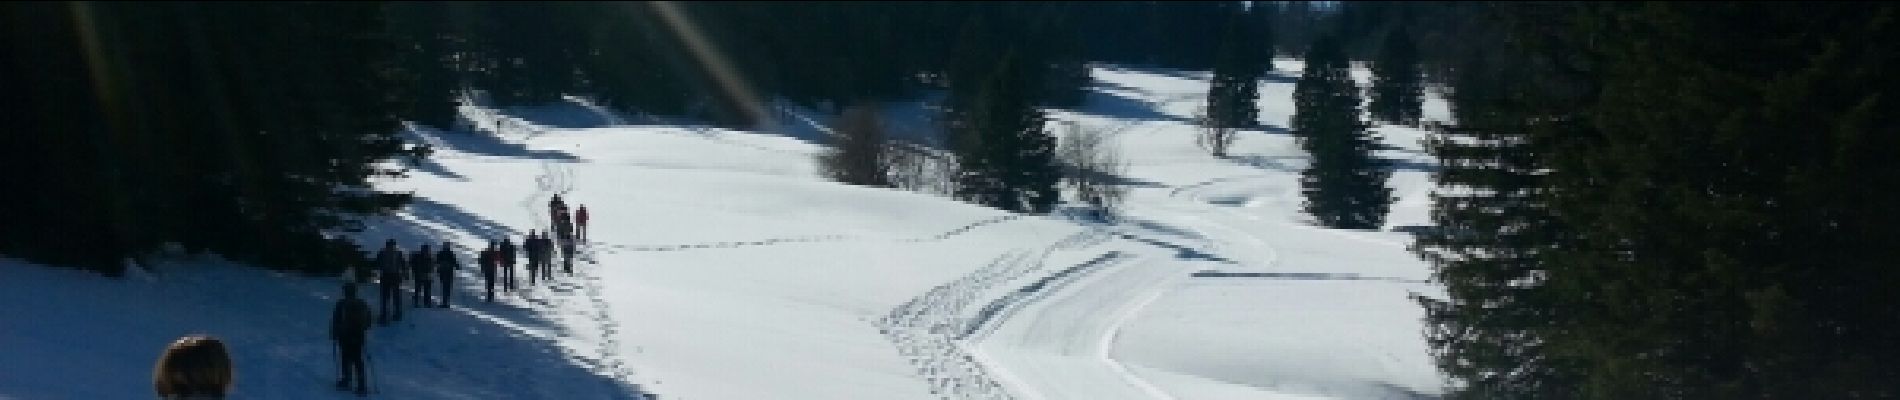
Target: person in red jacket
580 219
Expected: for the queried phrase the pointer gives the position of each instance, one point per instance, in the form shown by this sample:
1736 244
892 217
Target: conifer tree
1397 87
1235 88
1005 157
1344 185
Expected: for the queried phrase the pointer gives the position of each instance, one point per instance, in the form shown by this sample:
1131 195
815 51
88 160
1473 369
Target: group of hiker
423 269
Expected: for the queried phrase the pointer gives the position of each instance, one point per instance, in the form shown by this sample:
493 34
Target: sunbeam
714 61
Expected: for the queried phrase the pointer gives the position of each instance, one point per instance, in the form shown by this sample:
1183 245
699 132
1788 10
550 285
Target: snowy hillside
720 266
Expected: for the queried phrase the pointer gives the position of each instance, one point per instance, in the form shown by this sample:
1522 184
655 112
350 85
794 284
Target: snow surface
720 266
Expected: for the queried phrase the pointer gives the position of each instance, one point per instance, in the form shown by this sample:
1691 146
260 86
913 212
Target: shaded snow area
720 266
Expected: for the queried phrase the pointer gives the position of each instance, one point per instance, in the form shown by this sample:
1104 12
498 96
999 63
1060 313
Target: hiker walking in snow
349 320
561 227
530 249
567 259
580 219
556 207
488 260
391 263
445 266
538 255
567 226
505 259
421 273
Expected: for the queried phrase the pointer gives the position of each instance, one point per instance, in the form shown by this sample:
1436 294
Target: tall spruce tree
1397 86
1674 204
1005 157
1494 232
1721 197
1344 185
1233 92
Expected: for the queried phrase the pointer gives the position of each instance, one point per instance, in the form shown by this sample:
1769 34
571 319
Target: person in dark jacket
390 262
445 266
506 261
563 227
547 254
421 274
567 256
349 321
527 251
487 264
556 207
533 246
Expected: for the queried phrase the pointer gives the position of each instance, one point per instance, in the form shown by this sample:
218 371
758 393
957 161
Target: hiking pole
375 382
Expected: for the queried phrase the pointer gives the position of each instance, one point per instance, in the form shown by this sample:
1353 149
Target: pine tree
1344 185
1494 231
1671 201
1397 88
1005 157
1235 88
1721 199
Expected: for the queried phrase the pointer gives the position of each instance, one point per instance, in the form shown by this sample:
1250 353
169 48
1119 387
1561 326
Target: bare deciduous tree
859 152
1214 137
921 169
1093 168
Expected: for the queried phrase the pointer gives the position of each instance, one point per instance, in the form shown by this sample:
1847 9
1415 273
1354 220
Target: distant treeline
660 57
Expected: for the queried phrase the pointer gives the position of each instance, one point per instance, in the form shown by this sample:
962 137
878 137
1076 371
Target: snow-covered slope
720 266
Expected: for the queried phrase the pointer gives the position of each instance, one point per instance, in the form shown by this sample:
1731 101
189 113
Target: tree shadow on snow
1411 165
482 143
1280 77
1118 180
1168 72
1266 162
433 167
1268 129
463 221
569 113
1115 105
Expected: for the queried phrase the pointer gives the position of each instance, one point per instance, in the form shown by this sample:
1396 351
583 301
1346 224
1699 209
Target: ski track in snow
932 330
811 239
1079 319
1194 192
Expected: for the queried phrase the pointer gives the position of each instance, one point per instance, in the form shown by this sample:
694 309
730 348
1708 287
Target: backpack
354 319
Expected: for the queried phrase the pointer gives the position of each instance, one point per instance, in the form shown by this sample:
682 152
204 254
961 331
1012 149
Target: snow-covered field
720 266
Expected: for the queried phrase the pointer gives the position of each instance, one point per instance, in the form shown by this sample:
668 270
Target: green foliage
1344 185
245 129
1671 200
1398 90
1005 157
1242 59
